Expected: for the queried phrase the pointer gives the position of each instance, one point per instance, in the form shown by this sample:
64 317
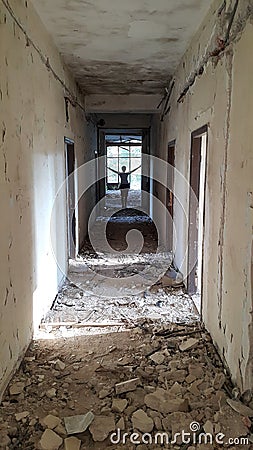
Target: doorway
123 150
169 192
196 213
71 198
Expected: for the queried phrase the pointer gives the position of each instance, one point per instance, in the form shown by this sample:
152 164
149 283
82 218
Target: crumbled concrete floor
73 308
139 363
147 379
78 303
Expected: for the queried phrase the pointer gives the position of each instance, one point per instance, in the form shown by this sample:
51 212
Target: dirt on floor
133 371
90 295
147 380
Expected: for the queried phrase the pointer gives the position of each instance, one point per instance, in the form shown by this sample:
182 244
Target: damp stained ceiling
122 46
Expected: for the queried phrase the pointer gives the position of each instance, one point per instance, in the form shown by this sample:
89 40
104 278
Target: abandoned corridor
126 231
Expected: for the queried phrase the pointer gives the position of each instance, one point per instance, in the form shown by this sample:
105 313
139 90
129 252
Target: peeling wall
32 167
118 47
217 91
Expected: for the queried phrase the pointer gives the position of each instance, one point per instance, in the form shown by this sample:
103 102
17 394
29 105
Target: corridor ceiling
122 46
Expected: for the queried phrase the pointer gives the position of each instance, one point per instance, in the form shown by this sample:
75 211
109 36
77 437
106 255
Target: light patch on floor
118 290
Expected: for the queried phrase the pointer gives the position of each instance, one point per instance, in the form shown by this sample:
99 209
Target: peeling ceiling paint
119 46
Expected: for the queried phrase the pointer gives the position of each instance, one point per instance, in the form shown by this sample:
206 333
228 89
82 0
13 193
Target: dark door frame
195 161
102 132
169 191
70 165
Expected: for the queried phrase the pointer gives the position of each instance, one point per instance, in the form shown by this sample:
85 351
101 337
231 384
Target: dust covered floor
113 199
147 380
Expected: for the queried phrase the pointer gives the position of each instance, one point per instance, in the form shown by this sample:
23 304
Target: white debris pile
160 305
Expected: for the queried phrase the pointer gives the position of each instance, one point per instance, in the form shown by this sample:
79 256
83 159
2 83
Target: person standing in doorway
124 183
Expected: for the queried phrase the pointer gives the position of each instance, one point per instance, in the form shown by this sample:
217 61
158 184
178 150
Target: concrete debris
22 415
146 384
78 424
72 443
189 344
219 380
127 386
5 441
121 424
51 421
101 427
177 422
230 423
50 440
104 393
59 365
176 389
209 427
17 388
118 405
240 407
142 421
51 393
60 430
196 370
75 310
162 401
157 358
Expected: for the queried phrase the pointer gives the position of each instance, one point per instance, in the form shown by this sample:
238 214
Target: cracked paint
222 98
229 66
32 130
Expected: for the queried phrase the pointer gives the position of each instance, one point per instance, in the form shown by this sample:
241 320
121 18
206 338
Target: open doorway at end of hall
196 218
123 154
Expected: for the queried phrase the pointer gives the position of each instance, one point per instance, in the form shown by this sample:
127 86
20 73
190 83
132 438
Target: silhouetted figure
124 183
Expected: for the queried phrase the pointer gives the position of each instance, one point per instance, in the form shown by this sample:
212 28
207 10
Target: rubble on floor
137 365
74 310
79 303
149 379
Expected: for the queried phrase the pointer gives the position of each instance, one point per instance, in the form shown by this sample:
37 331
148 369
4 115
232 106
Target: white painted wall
222 98
32 168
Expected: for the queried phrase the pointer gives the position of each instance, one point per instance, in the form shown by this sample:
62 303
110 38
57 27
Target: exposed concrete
119 47
221 97
32 167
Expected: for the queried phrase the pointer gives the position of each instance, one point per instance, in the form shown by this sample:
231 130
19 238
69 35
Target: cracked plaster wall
222 98
32 167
